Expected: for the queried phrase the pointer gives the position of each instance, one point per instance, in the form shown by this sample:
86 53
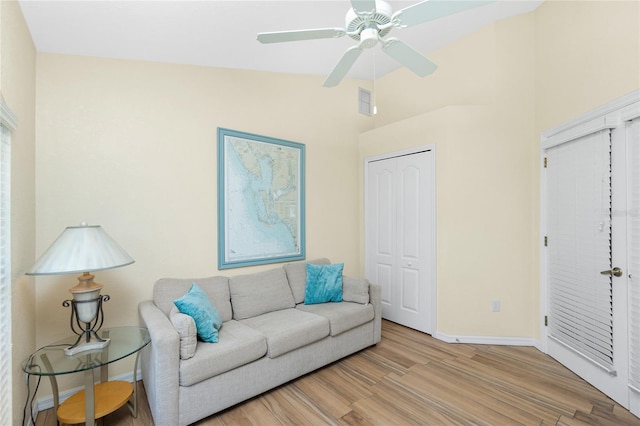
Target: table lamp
83 249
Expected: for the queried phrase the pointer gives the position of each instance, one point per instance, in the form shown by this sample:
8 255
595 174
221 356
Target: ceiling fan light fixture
368 37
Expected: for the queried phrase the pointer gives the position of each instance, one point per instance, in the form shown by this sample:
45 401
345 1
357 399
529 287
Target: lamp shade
81 249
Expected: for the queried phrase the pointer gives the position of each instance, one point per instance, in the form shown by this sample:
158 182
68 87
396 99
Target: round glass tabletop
51 360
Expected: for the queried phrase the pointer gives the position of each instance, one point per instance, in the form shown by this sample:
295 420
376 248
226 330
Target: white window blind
579 246
7 124
633 137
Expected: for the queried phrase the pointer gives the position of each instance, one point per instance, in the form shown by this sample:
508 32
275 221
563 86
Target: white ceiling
222 33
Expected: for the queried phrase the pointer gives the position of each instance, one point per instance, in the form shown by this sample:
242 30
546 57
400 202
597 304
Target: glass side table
96 400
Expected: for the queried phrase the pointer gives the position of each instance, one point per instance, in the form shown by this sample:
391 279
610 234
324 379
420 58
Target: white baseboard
47 402
485 340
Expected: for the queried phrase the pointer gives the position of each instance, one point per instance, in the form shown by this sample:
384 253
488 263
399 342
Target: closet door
400 243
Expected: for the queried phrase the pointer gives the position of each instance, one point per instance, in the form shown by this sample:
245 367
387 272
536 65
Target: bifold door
400 235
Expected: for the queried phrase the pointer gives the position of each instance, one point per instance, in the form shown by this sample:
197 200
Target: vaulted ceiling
223 33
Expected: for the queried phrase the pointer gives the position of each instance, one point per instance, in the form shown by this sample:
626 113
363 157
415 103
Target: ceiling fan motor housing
356 25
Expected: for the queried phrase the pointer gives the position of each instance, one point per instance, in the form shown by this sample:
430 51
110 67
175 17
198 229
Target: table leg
89 399
54 385
133 405
104 370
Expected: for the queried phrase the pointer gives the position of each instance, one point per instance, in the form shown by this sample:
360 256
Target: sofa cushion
324 283
238 345
288 329
186 327
355 290
260 292
166 290
197 305
297 276
342 316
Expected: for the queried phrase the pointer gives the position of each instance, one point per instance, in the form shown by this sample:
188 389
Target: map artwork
262 201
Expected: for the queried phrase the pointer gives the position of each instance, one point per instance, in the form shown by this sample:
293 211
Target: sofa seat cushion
237 345
342 316
288 329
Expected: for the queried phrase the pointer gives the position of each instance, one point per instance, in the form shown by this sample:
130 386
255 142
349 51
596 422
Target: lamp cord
28 403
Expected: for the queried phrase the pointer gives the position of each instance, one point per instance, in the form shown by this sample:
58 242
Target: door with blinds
591 260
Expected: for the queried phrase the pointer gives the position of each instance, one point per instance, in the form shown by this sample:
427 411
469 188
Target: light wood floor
411 378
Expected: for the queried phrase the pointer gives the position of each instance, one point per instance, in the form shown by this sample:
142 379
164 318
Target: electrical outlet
495 306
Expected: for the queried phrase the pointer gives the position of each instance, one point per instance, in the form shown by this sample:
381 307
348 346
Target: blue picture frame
261 200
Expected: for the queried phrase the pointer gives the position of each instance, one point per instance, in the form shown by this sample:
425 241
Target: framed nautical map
260 200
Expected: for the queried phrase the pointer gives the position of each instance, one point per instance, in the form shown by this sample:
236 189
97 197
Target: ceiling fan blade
408 57
430 10
363 7
343 67
297 35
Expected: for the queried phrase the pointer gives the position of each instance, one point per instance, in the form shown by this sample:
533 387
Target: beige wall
132 146
17 86
528 73
466 75
588 63
483 146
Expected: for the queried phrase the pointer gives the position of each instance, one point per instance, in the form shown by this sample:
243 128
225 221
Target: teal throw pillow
324 283
197 305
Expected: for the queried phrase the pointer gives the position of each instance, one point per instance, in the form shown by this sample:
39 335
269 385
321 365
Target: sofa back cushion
166 290
259 293
355 290
297 276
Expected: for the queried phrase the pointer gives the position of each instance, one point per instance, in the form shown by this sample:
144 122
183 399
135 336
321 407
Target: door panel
381 231
410 211
383 188
383 279
410 291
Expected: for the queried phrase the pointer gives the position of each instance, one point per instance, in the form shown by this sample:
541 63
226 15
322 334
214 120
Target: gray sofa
268 337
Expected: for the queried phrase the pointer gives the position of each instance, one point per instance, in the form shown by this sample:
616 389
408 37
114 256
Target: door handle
616 272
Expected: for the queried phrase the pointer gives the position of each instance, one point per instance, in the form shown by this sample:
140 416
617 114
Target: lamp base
86 346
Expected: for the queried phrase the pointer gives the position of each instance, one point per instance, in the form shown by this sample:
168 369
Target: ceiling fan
369 22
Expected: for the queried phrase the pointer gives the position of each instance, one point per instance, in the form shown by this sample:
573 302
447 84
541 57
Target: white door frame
432 202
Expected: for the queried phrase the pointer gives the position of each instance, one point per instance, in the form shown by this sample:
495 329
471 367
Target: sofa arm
375 298
161 364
